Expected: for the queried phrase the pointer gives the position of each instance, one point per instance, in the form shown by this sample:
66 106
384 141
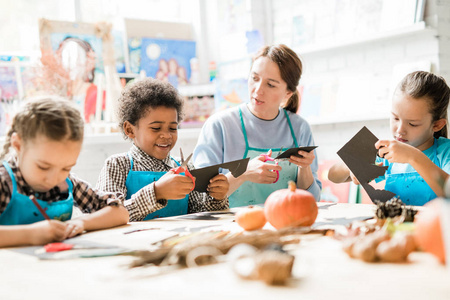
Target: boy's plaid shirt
114 174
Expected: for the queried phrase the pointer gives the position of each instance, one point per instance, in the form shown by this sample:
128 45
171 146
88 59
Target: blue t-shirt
443 157
406 182
222 140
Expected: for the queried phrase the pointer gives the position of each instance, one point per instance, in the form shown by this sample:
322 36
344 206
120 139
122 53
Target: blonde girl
46 138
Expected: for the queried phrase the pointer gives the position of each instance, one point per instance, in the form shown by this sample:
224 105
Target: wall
373 61
374 57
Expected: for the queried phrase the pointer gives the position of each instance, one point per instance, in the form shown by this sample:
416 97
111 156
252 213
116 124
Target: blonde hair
54 118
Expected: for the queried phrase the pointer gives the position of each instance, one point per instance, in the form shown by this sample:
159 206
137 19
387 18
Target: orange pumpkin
291 207
251 218
428 230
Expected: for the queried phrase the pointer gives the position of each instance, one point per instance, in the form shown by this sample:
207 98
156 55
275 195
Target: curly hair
55 118
137 98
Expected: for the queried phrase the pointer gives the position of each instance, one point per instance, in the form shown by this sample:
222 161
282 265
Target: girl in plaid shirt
35 182
149 113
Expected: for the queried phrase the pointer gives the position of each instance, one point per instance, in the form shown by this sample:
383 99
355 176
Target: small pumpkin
251 218
428 229
291 207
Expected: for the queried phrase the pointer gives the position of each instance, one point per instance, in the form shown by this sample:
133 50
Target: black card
359 154
203 175
294 151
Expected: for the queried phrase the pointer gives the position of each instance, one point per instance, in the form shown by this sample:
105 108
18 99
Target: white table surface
321 271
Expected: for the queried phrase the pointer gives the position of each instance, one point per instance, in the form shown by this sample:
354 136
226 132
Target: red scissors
183 168
268 158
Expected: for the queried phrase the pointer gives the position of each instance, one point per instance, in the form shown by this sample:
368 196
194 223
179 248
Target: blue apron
410 186
21 210
250 193
136 180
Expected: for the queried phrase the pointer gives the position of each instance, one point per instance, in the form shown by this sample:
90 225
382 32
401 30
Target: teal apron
250 193
136 180
410 186
21 210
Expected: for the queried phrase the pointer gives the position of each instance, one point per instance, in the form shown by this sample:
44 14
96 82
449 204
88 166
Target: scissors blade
181 156
281 151
185 163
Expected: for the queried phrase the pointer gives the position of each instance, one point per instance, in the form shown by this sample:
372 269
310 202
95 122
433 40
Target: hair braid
54 118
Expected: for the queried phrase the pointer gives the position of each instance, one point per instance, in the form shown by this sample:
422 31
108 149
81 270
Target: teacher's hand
260 172
305 161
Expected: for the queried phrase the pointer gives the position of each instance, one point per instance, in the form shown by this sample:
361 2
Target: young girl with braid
46 136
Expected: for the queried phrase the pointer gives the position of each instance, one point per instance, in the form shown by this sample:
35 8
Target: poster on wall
11 86
9 94
8 83
167 60
134 52
119 52
92 42
95 43
230 93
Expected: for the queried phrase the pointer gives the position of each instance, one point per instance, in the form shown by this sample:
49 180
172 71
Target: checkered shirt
114 175
85 197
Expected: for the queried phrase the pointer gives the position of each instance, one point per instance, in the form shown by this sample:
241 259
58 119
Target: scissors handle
180 169
268 158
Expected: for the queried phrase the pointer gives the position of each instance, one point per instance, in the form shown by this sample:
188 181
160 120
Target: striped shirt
85 197
114 175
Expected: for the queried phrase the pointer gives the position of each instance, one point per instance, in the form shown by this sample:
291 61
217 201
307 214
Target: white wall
372 57
378 58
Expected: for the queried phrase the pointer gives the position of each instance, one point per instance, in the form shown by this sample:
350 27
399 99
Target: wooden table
321 270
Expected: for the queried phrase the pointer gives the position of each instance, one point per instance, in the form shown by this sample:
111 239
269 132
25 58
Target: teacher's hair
290 67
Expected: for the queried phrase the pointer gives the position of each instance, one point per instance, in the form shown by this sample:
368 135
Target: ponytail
292 104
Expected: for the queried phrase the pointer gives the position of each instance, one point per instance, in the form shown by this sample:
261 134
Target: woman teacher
268 124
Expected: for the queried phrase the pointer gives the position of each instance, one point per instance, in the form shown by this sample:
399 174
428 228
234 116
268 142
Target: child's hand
74 227
354 179
45 232
395 151
218 187
173 186
260 172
